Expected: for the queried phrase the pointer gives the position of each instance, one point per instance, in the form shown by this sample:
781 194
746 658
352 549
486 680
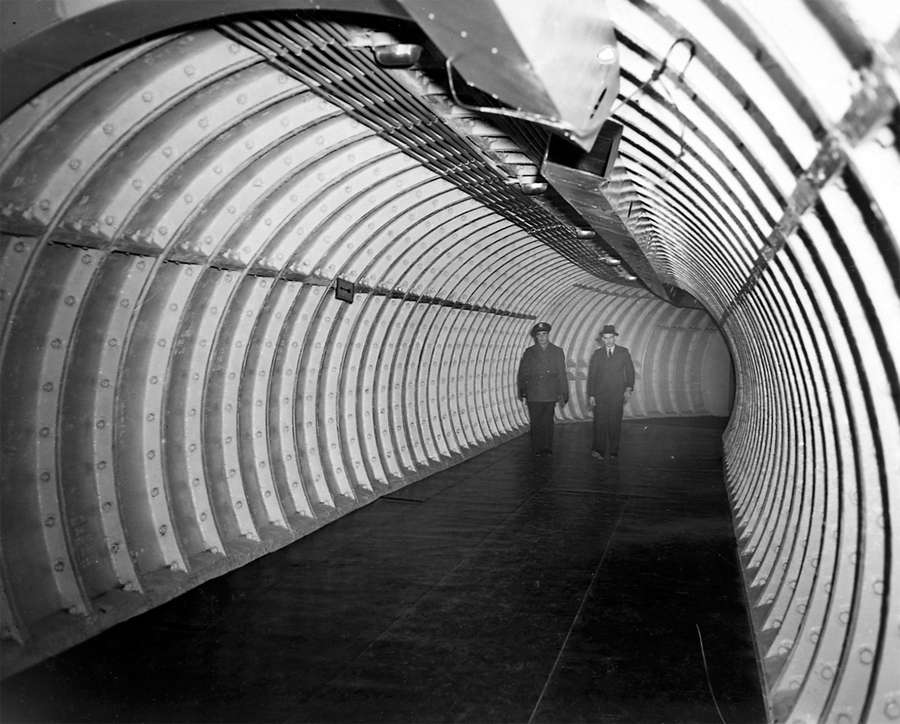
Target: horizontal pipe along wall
182 391
171 349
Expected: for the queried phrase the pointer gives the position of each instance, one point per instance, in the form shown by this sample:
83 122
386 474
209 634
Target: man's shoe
597 455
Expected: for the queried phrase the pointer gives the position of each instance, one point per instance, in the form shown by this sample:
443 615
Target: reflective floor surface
506 589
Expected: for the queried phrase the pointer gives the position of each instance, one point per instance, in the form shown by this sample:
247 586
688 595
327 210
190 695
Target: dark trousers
607 424
540 414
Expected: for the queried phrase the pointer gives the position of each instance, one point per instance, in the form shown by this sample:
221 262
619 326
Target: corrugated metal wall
181 392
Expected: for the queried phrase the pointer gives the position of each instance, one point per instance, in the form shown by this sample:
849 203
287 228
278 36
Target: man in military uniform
542 383
609 386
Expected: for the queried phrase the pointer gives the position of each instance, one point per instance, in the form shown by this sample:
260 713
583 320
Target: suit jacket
542 375
609 377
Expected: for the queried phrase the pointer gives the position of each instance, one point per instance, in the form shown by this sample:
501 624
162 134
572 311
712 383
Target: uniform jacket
542 375
610 376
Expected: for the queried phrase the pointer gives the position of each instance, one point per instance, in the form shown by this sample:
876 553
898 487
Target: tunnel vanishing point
263 261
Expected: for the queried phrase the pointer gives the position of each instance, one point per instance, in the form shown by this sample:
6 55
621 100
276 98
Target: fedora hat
540 327
608 329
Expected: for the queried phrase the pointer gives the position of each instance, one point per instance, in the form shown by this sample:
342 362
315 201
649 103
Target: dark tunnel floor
505 589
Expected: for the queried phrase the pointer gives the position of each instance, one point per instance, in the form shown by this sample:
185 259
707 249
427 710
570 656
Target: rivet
45 432
45 477
151 417
75 164
161 342
154 380
242 98
167 151
878 587
47 387
70 300
107 506
239 504
203 517
114 548
866 655
203 122
124 303
137 184
108 128
827 673
196 482
163 529
100 424
892 708
154 492
151 454
112 341
59 566
50 522
104 383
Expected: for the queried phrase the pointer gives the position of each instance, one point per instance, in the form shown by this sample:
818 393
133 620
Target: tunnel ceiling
181 192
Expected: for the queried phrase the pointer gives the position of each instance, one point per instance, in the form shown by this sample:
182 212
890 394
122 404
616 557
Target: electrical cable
660 70
708 682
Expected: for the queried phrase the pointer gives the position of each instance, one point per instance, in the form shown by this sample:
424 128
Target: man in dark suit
609 386
542 383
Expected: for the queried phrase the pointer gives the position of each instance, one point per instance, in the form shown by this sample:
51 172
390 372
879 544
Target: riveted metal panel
310 496
237 182
321 383
133 95
154 540
271 302
16 253
312 344
236 389
33 524
301 205
221 398
142 204
186 411
97 353
342 402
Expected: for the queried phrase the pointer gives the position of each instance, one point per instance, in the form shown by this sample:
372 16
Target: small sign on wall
344 290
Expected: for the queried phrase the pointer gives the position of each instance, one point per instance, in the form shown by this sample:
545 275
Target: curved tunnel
183 390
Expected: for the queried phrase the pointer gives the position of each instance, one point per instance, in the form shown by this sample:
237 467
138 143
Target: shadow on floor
506 589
